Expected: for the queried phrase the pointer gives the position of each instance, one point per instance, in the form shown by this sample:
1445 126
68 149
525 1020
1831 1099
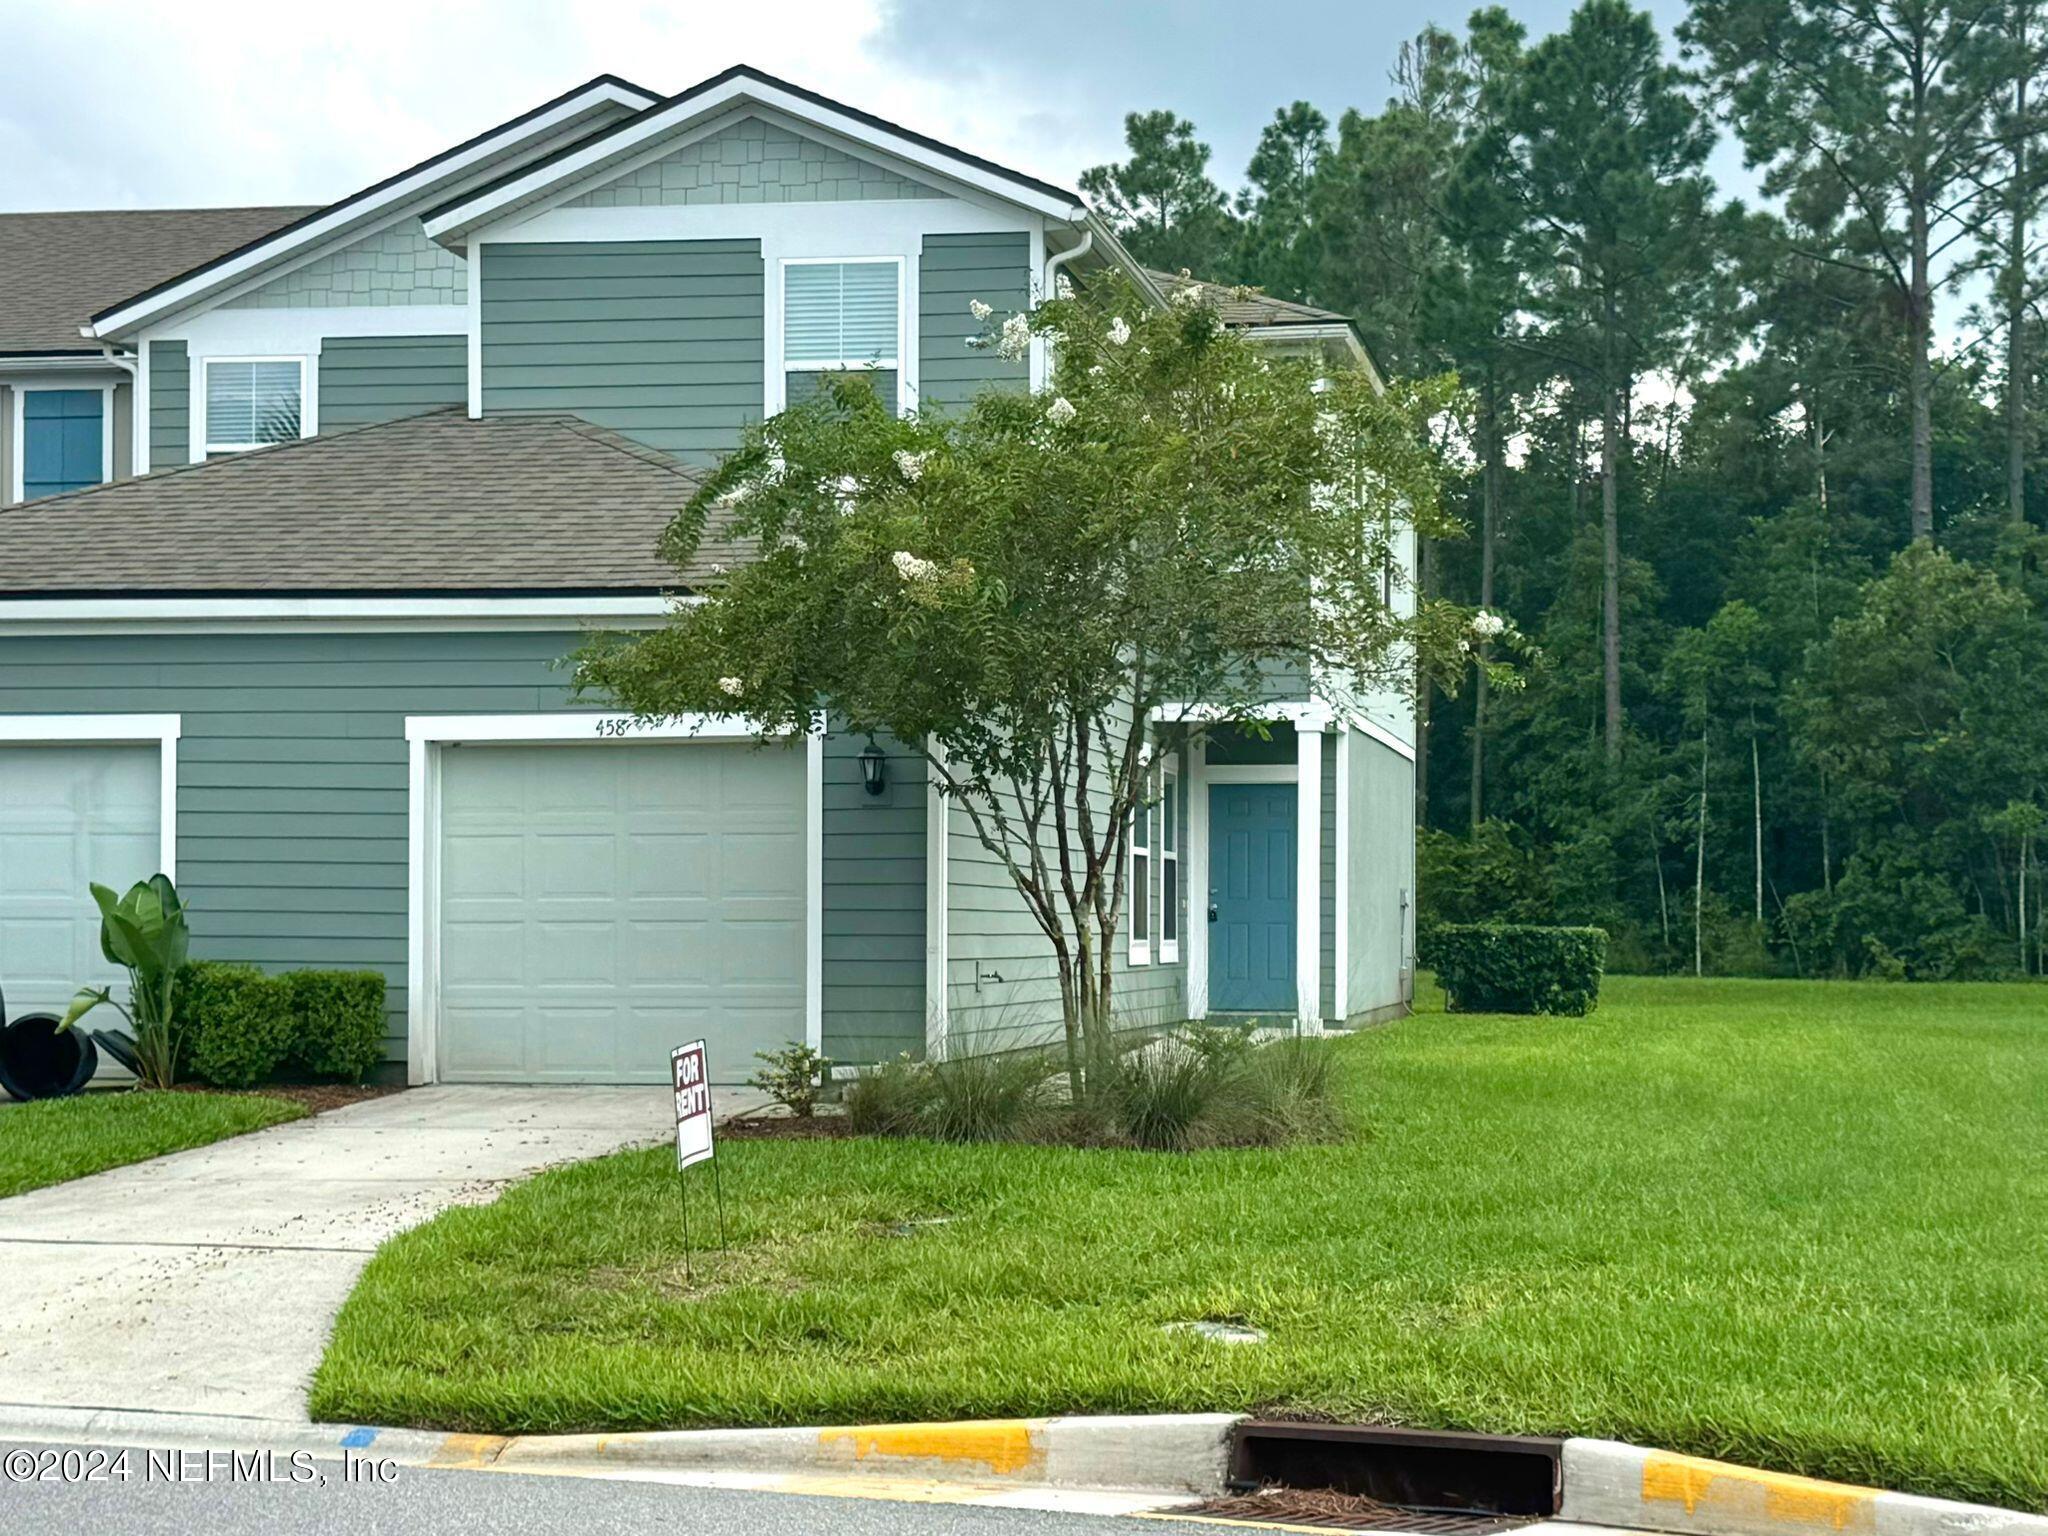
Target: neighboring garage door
603 904
68 816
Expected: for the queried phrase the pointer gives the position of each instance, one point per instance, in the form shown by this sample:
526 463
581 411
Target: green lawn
52 1140
1796 1225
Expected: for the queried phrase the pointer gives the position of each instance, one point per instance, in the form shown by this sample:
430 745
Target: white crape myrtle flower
1016 338
777 468
1488 625
1060 412
846 491
1188 293
732 687
910 465
1119 331
979 310
913 567
1063 286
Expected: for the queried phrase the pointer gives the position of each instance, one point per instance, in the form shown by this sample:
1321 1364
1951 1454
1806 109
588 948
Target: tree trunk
1489 523
1610 568
1920 383
2016 303
1699 872
1425 690
1756 780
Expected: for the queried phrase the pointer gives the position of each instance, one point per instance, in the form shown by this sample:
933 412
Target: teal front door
1251 898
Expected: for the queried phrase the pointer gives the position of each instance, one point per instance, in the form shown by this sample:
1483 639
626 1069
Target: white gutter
1071 253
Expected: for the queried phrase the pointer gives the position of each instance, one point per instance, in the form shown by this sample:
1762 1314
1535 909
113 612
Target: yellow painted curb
1006 1447
1714 1487
468 1450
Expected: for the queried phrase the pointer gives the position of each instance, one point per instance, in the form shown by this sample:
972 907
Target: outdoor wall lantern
872 768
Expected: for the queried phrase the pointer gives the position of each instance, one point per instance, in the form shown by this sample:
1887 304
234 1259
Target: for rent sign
693 1103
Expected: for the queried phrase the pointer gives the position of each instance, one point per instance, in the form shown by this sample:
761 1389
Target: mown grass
52 1140
1795 1225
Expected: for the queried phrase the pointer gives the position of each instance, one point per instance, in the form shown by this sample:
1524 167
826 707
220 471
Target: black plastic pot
120 1045
38 1061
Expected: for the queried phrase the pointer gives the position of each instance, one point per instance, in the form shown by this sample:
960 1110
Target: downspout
130 365
1052 273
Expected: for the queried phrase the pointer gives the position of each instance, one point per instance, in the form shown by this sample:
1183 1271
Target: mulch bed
785 1128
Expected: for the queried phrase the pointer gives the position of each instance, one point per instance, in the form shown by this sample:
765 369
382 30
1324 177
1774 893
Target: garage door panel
657 895
69 816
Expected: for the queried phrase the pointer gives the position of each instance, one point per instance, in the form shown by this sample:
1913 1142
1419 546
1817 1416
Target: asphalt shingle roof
431 503
58 269
1247 306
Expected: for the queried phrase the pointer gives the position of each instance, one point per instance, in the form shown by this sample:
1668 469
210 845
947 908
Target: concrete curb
1608 1483
1152 1453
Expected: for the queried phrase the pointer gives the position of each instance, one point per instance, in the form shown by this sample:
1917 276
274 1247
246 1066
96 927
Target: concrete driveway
206 1281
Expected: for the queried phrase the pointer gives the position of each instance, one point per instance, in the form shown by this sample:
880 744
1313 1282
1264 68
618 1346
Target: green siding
658 339
954 271
367 379
292 799
1381 950
170 405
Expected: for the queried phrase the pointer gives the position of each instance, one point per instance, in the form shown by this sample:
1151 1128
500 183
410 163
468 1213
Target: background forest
1755 485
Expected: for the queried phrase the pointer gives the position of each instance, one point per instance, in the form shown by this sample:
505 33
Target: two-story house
305 507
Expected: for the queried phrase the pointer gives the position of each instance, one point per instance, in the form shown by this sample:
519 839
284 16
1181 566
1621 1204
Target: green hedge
240 1026
1515 967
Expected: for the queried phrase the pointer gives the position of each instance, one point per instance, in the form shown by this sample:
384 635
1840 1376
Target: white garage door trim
159 731
425 736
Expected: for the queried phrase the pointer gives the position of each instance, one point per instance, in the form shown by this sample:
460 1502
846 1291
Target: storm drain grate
1325 1510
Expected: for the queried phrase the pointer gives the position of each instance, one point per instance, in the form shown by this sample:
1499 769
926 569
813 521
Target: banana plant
145 933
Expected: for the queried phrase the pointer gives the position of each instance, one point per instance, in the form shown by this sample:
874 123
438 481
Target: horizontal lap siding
874 861
170 404
1382 813
365 379
661 340
955 271
292 798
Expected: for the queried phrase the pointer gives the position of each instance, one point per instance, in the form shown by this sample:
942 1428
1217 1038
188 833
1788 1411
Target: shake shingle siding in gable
954 271
661 340
170 405
366 379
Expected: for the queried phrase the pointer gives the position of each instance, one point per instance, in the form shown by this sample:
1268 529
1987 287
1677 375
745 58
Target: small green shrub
237 1022
995 1096
337 1022
889 1099
1515 968
793 1077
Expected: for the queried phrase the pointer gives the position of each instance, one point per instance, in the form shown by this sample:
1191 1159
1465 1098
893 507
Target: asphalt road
419 1502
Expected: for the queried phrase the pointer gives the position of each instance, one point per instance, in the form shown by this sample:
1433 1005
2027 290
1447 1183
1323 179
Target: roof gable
567 119
754 160
711 107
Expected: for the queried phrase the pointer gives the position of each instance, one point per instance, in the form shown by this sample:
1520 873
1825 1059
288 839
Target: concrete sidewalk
206 1281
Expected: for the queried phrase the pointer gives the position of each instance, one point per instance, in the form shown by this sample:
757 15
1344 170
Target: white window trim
309 422
1169 853
1140 902
159 731
778 383
17 460
426 735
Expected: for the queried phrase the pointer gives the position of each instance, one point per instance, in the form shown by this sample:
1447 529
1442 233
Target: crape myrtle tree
1023 590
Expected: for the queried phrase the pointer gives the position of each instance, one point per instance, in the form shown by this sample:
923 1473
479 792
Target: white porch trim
1308 874
937 897
1342 894
425 735
159 731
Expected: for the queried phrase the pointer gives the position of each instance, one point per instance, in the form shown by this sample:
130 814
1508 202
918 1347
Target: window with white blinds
840 314
252 402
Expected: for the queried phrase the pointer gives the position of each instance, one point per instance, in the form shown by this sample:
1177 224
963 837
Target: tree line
1751 483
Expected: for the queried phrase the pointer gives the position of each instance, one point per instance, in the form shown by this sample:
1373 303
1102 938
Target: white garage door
603 904
68 816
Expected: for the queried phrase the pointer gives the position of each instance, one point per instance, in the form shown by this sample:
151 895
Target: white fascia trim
19 389
1366 726
1308 877
159 731
1310 714
54 614
426 734
659 122
1251 773
343 218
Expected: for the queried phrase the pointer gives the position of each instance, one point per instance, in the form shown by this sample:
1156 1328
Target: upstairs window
253 402
1140 893
64 440
842 317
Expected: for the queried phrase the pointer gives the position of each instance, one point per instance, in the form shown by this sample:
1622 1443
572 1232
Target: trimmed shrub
237 1022
1515 968
337 1022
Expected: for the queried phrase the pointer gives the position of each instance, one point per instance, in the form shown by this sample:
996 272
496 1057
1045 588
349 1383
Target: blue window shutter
62 446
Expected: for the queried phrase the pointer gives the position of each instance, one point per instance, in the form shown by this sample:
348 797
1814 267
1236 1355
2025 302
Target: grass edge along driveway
52 1140
1794 1225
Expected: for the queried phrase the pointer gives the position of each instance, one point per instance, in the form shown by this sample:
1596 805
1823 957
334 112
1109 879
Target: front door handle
1212 911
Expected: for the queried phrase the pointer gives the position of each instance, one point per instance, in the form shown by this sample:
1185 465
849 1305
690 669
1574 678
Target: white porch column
1308 870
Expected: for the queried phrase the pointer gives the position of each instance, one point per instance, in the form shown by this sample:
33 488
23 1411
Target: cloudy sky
114 104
